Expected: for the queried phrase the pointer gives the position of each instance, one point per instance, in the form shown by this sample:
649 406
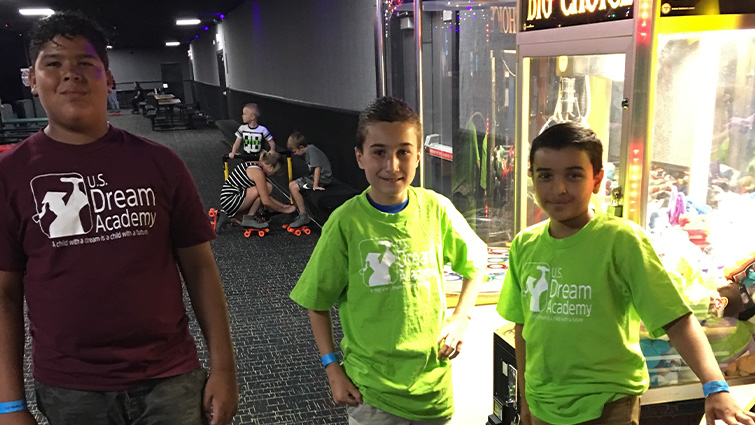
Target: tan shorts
364 414
624 411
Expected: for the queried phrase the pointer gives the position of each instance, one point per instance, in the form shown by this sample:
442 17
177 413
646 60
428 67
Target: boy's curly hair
68 24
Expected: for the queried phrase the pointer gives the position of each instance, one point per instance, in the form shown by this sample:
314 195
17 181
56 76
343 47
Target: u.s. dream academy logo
69 205
62 204
551 297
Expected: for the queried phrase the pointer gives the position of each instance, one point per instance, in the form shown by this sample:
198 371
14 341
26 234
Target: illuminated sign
541 14
504 19
705 7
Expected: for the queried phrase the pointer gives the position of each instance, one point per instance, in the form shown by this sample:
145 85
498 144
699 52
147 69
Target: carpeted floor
280 377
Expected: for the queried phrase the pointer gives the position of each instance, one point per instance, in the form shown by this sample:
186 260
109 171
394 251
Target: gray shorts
307 182
365 414
163 401
625 410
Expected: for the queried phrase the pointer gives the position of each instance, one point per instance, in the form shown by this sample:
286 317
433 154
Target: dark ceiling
128 24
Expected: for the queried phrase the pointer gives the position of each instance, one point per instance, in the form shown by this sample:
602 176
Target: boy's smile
389 158
564 183
72 84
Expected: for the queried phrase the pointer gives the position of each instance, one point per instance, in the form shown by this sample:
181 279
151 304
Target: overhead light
36 12
172 43
187 21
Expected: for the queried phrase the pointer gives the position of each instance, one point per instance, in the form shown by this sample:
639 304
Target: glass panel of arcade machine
469 64
583 89
701 193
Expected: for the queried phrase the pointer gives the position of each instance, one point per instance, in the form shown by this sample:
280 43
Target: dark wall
13 48
332 130
210 100
319 52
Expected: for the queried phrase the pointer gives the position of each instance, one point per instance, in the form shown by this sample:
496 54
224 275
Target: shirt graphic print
252 141
69 205
62 204
550 298
386 262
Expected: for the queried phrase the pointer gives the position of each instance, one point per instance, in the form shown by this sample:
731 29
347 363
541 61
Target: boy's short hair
68 24
387 109
274 160
570 135
296 140
254 108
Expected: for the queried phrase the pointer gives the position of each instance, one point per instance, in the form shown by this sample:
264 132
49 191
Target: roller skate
299 226
219 219
253 225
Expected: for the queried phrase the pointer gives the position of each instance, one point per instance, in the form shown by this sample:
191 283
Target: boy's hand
344 391
231 155
221 398
723 406
288 209
525 416
316 187
452 336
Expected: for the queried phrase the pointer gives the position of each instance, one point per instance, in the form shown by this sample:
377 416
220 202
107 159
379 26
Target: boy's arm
689 340
12 346
344 391
316 180
452 334
521 355
271 142
198 268
235 147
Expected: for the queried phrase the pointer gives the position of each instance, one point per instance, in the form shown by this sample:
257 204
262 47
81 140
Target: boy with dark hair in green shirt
579 283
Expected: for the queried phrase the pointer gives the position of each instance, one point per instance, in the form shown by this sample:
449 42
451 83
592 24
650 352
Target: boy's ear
32 80
597 179
358 154
110 81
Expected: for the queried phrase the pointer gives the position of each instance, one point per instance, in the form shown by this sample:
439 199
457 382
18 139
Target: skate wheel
213 212
285 226
267 229
297 232
290 229
260 233
307 231
247 233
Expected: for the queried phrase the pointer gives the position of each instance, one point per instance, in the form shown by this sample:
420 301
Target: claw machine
669 87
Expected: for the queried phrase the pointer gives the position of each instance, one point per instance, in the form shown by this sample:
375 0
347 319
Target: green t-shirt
385 273
580 300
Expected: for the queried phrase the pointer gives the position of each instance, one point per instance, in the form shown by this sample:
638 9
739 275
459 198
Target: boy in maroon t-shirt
98 227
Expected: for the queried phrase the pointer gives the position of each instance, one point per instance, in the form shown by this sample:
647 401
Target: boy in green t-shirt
579 283
380 258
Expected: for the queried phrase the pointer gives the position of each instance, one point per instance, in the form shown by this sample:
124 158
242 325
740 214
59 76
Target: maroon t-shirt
95 229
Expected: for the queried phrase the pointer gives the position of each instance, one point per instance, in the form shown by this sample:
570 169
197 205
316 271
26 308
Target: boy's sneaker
250 221
222 221
301 220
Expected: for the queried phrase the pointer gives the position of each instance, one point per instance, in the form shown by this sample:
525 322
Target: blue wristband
329 358
715 387
13 406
